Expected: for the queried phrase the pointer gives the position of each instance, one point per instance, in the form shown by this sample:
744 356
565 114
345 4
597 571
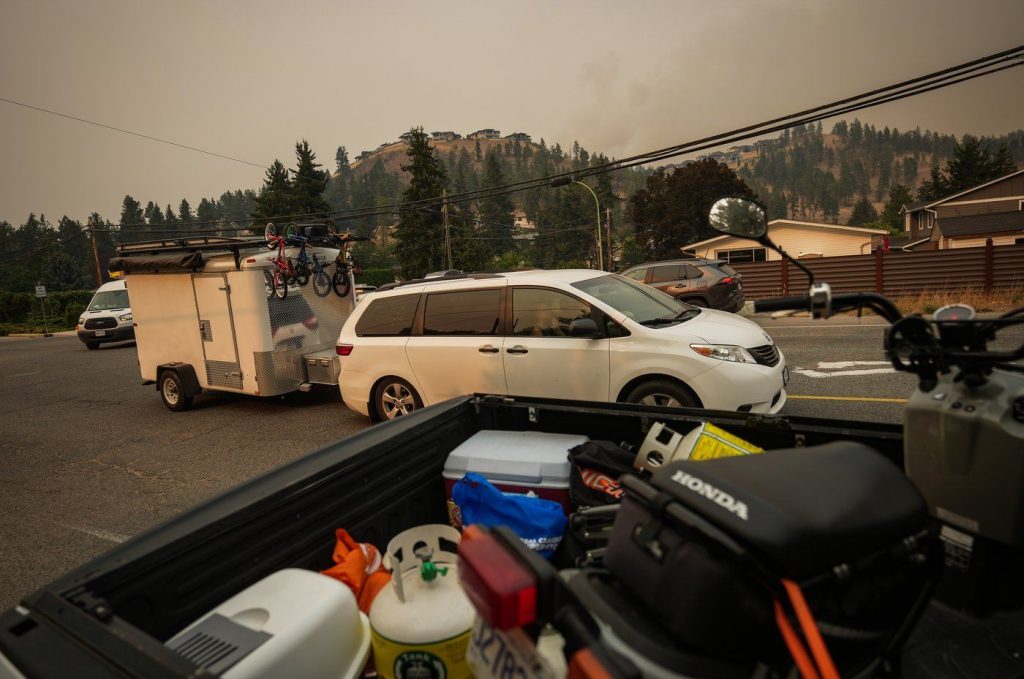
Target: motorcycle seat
805 509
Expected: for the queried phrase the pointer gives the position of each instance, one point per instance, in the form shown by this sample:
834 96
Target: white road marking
837 369
99 533
25 374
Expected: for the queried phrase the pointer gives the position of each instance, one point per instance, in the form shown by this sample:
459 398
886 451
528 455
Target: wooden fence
892 273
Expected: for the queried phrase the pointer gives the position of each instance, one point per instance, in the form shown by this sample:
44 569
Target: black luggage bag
714 550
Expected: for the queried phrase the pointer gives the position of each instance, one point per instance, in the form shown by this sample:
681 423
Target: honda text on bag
568 334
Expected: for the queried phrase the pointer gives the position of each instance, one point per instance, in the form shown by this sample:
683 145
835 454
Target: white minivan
568 334
108 318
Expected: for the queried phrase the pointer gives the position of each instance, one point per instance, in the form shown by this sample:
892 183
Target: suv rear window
729 271
467 312
388 316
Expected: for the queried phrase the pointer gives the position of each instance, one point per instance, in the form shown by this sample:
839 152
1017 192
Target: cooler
515 462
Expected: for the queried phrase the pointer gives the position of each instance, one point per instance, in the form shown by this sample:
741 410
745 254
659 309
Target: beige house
967 219
801 240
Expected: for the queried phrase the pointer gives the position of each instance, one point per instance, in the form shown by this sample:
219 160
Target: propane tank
421 624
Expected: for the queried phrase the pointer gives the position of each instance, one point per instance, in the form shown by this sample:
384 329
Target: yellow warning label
445 659
711 442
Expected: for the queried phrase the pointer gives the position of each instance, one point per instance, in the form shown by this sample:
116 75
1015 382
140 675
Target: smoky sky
250 78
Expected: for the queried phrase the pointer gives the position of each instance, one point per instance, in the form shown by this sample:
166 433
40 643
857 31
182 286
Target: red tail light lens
343 349
727 280
312 323
502 590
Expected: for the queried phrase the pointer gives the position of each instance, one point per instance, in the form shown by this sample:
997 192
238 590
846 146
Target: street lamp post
563 181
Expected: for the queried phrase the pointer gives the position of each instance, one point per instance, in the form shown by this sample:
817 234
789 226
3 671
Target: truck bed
111 616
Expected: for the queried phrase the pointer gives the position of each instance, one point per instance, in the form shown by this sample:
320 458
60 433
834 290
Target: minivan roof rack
438 279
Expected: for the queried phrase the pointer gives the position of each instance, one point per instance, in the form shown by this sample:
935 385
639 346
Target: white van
108 318
569 334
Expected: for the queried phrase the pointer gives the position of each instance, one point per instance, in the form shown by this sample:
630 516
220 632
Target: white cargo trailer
205 319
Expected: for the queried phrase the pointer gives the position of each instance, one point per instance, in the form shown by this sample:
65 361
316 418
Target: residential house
800 240
407 137
518 136
364 155
445 136
523 228
967 219
484 134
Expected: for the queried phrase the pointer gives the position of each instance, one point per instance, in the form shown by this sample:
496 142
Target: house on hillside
523 228
518 136
364 155
407 137
445 136
484 134
801 240
967 219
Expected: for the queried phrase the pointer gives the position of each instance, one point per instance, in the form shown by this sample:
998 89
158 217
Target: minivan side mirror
584 327
739 217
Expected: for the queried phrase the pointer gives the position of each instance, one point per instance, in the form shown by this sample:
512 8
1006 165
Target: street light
563 181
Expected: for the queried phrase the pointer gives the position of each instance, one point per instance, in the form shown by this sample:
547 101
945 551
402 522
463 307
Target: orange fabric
359 566
796 648
810 630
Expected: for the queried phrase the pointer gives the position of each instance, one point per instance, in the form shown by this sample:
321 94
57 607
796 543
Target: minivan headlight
124 318
724 352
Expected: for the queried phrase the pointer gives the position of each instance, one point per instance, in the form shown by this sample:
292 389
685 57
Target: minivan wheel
172 392
394 397
664 394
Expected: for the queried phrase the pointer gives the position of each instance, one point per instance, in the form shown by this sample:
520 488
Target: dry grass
1000 299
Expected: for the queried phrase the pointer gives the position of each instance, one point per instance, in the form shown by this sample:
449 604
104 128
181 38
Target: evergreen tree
154 215
169 216
863 213
420 232
276 199
185 215
132 220
309 182
338 193
899 196
495 211
63 273
972 164
207 213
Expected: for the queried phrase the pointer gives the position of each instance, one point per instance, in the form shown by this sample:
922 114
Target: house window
741 256
1018 241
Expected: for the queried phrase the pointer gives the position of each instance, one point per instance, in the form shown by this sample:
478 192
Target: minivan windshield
644 304
109 300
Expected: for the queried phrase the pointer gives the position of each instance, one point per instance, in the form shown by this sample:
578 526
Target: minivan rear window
467 312
388 316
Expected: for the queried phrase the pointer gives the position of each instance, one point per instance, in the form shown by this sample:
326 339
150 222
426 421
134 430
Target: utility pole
95 253
447 228
608 235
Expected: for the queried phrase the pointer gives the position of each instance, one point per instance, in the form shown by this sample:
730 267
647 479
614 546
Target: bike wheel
340 282
321 283
292 231
268 282
302 273
280 285
270 231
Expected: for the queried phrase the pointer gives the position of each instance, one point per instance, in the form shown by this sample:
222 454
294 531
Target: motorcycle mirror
739 217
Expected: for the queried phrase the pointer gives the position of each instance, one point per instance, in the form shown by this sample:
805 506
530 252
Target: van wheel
664 394
394 397
92 346
172 392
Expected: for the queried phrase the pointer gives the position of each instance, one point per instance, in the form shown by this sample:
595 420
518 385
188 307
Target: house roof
908 241
792 222
918 206
977 225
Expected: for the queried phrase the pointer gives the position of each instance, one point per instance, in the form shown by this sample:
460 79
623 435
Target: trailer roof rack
234 245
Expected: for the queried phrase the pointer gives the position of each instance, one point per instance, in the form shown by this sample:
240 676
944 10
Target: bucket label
444 659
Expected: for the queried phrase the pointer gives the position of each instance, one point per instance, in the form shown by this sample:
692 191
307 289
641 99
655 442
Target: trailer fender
186 373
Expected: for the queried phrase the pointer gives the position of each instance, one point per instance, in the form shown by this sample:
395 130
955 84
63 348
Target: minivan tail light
727 280
343 349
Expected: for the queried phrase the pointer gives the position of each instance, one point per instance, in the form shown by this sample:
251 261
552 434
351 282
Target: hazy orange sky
248 79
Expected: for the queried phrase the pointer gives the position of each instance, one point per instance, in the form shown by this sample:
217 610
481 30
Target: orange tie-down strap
822 666
359 566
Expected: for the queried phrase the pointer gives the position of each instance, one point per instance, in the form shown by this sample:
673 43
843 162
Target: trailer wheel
394 397
172 392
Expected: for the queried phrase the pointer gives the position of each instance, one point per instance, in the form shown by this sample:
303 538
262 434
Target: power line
134 134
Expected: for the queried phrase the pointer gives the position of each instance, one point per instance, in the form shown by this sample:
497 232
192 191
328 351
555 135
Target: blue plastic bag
538 522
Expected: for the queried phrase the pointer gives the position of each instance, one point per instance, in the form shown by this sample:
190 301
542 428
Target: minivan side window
542 312
467 312
388 316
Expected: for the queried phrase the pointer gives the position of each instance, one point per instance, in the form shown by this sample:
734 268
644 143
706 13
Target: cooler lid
515 456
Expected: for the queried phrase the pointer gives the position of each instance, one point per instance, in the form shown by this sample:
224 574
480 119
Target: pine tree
276 199
207 213
863 213
420 232
338 193
132 220
496 211
169 216
185 215
899 196
309 182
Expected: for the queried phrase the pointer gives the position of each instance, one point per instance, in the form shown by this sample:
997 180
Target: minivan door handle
488 349
517 349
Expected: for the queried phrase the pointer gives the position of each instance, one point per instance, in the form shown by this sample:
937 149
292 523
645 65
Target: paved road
89 457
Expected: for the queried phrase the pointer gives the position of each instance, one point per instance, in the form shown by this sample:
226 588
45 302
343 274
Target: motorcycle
952 573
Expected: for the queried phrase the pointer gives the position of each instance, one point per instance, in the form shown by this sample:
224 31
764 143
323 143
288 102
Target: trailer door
217 329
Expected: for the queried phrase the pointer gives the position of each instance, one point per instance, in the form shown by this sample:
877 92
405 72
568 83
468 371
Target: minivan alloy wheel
395 399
